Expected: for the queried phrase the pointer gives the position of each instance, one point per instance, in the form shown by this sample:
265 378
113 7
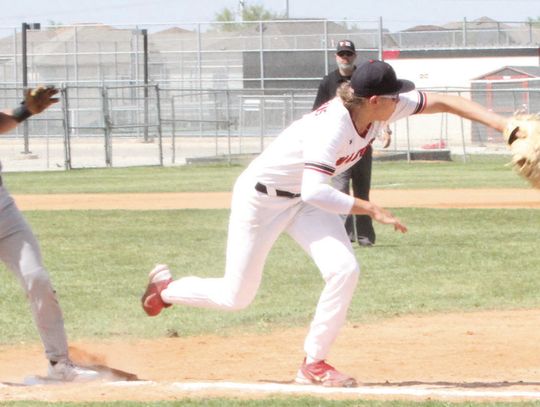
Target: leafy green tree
254 12
257 12
227 17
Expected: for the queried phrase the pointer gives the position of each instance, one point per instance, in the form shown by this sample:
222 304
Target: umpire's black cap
345 45
376 77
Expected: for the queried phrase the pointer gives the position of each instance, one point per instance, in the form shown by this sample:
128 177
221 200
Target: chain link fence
170 95
117 126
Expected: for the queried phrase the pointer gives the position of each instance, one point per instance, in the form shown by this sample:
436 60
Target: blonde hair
346 94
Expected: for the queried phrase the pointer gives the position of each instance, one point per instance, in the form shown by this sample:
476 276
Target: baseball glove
38 99
522 133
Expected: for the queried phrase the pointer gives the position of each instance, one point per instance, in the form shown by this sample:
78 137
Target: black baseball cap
345 45
376 77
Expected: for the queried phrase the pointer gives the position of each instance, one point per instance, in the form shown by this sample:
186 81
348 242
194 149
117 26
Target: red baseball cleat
159 278
322 373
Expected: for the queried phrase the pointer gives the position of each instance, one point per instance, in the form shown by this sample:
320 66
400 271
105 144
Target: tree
255 12
227 17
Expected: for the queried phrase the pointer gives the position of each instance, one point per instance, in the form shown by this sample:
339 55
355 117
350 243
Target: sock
310 360
162 275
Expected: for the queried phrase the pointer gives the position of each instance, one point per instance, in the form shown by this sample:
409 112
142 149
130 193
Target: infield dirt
495 351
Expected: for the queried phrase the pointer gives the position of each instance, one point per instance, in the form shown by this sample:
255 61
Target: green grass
451 260
135 179
477 172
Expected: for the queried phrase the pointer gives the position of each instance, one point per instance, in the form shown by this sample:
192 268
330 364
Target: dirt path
467 356
439 198
488 352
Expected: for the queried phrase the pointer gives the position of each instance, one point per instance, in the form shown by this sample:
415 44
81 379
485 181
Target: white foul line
360 391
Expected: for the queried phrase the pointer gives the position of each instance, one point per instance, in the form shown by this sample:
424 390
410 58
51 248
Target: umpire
360 173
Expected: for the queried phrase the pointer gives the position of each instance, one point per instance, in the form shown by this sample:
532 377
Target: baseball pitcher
287 189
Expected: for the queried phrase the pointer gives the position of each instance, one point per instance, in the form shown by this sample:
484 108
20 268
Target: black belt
286 194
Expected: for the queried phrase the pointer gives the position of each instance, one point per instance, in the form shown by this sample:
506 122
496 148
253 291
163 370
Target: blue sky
396 14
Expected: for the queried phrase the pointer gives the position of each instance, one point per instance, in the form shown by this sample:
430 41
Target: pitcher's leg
21 254
323 237
248 246
331 312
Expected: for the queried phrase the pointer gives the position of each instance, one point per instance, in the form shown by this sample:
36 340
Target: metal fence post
67 127
24 28
107 126
145 71
173 130
463 139
463 136
160 134
227 104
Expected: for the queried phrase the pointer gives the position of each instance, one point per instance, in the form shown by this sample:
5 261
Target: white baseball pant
256 221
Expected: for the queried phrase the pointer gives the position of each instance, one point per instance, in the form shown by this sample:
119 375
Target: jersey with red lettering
325 141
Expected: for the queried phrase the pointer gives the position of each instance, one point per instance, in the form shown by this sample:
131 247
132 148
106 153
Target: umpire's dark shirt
328 87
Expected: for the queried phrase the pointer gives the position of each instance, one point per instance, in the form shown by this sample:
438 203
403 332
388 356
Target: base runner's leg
20 251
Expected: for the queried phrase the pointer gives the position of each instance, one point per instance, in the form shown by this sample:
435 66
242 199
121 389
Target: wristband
21 113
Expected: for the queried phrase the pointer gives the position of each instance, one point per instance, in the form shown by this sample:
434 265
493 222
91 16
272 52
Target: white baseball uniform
301 160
